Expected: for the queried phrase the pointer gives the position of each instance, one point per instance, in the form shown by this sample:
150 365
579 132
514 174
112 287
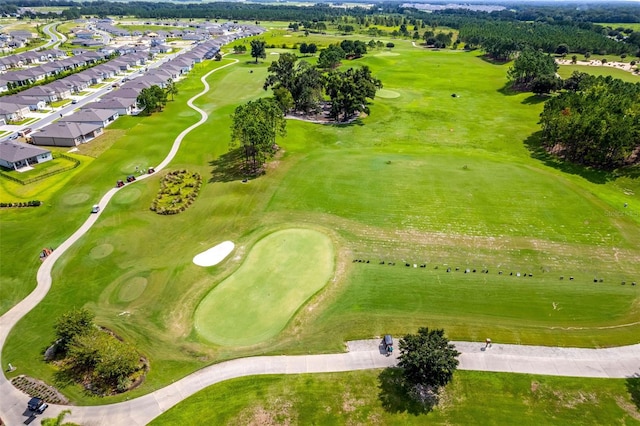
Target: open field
367 397
565 71
426 178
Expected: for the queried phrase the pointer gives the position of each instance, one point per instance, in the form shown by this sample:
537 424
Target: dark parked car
37 405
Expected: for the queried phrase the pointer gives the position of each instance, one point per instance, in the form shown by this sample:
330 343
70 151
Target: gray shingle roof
13 152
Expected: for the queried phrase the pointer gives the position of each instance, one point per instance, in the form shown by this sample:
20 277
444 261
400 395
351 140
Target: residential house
102 117
33 103
41 92
66 134
62 90
14 155
12 112
122 105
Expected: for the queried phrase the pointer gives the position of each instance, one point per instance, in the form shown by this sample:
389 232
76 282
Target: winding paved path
365 354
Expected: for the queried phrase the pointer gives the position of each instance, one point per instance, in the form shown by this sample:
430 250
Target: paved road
613 362
55 37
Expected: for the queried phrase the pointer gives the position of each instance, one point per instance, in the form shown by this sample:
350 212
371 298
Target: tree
239 48
57 421
546 84
529 66
71 324
349 91
331 57
255 126
258 49
427 358
304 48
171 88
562 49
391 45
312 48
104 360
574 59
152 98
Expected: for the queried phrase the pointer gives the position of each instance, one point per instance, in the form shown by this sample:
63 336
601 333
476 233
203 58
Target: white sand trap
214 255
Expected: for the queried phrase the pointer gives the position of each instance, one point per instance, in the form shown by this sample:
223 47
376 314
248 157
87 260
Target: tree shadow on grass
538 152
633 387
228 167
396 396
534 100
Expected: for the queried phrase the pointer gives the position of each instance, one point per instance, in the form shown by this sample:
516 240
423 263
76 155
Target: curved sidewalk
618 362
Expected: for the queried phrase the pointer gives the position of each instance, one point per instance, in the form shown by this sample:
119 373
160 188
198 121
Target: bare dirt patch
628 407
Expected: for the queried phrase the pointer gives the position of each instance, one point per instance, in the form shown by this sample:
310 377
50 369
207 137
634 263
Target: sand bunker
214 255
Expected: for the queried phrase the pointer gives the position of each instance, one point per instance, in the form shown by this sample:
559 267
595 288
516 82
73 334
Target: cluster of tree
428 362
239 48
153 98
300 86
347 49
93 355
255 126
308 49
594 122
438 40
534 70
349 90
502 39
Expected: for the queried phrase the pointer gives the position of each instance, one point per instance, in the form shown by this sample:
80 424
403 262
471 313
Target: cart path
617 362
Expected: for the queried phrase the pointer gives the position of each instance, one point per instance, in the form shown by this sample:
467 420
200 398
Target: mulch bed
36 388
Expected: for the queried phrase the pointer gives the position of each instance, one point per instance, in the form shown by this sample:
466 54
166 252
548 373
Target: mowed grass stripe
280 273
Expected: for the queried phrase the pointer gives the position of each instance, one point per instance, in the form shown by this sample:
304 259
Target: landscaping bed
178 191
37 388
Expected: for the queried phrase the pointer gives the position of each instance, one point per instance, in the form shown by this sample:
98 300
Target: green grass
60 103
43 168
390 186
255 303
565 71
369 397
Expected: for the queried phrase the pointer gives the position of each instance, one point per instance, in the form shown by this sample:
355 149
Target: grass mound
255 303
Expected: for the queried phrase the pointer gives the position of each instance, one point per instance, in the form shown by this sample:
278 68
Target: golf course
432 210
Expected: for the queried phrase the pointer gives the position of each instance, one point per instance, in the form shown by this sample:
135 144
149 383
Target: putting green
387 54
254 304
103 250
387 94
132 289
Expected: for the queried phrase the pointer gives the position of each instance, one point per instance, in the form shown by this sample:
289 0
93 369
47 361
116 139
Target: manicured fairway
279 274
369 397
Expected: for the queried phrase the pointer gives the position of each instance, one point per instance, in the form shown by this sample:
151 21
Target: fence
75 162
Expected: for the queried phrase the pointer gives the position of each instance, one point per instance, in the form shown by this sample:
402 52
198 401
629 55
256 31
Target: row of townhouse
92 119
29 76
30 58
16 39
15 107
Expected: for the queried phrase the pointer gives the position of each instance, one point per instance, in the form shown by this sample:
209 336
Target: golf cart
388 343
131 178
95 208
119 184
37 405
